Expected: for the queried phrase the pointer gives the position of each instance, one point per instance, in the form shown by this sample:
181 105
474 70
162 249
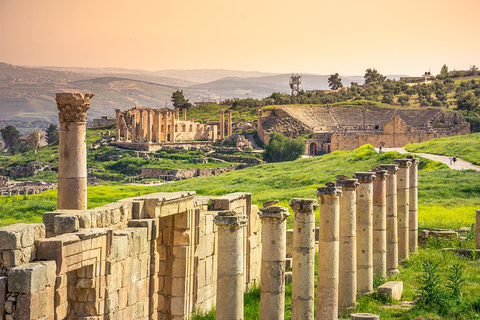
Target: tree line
14 144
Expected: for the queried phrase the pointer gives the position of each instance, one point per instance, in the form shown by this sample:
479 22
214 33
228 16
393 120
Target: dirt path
459 165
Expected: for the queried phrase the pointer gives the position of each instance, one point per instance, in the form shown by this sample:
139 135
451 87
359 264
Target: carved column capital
303 205
331 190
364 177
347 183
230 219
380 174
73 106
274 213
403 163
391 168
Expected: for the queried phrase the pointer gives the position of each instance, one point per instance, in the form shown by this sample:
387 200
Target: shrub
281 148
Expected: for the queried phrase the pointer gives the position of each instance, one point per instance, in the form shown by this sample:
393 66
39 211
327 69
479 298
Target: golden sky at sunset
308 36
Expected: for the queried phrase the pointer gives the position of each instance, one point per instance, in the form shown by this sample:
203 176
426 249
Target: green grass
466 147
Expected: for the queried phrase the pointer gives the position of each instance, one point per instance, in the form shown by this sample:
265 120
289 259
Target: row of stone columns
222 123
358 232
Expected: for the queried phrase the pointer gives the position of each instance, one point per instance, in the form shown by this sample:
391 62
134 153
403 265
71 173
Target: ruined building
347 128
148 129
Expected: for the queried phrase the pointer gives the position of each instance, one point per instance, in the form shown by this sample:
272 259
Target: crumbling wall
148 257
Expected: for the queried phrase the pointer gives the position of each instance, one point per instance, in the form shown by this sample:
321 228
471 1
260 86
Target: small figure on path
451 160
454 159
380 149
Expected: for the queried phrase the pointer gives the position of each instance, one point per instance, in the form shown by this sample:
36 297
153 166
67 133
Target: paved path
256 148
459 165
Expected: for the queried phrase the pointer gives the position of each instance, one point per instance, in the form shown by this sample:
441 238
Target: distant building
422 79
104 121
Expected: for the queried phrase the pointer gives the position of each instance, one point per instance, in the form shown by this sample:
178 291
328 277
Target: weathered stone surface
20 235
28 278
364 316
391 289
3 294
65 224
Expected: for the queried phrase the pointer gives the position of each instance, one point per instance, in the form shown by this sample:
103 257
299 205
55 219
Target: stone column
365 232
347 277
229 123
303 258
165 125
222 124
184 114
274 229
134 127
72 150
477 229
117 123
413 204
230 285
259 115
149 126
380 222
392 219
141 126
172 129
403 183
328 246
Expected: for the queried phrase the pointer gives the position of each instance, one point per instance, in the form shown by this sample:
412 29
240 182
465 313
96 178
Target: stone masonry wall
148 257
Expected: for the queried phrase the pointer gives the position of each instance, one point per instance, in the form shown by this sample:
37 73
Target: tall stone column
141 126
392 219
230 265
134 127
303 257
274 229
347 277
328 246
259 115
72 150
365 232
117 123
165 125
403 177
177 114
413 204
380 222
477 229
222 124
229 123
184 114
172 127
149 125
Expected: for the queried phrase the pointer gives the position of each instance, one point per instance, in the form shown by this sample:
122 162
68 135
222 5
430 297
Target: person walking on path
454 159
451 160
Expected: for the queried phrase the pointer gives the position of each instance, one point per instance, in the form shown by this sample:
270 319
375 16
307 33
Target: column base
393 272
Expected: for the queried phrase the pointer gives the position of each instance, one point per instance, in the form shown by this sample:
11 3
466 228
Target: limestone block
391 289
28 278
363 316
3 294
150 224
50 272
47 218
65 224
20 235
288 276
12 258
289 242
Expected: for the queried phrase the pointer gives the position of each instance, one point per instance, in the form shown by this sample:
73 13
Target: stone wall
180 174
148 257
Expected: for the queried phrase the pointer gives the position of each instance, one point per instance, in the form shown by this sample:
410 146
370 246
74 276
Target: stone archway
313 149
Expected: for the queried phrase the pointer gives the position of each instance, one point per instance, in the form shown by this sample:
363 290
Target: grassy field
466 147
444 194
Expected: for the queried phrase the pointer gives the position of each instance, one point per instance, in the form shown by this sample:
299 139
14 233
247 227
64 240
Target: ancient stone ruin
348 128
142 128
168 255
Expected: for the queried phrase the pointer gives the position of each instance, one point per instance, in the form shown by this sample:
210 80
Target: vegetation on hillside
281 148
466 147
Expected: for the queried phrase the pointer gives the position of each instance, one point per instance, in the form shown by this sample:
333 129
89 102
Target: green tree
443 72
179 101
387 98
335 82
52 134
467 102
281 148
11 137
373 76
403 100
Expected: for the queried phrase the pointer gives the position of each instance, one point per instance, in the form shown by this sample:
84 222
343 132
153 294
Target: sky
280 36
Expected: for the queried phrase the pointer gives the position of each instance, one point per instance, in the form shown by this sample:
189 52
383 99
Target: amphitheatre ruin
335 128
169 255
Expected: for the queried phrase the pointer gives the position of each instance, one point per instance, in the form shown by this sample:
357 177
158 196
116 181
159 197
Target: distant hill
29 92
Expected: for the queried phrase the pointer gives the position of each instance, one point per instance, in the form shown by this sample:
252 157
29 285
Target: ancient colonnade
358 231
149 125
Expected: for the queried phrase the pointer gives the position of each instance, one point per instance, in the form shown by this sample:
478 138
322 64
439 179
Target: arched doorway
313 149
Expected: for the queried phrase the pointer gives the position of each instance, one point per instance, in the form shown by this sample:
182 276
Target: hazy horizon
309 37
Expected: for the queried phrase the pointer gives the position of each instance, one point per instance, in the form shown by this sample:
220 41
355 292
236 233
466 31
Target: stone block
47 218
391 289
145 223
289 243
12 258
364 316
20 235
3 294
65 224
50 272
52 249
288 276
28 278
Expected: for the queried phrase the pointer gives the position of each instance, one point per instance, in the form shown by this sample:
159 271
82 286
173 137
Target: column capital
347 183
274 212
73 106
391 168
229 111
403 163
303 205
330 190
222 111
380 174
364 177
414 160
230 219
